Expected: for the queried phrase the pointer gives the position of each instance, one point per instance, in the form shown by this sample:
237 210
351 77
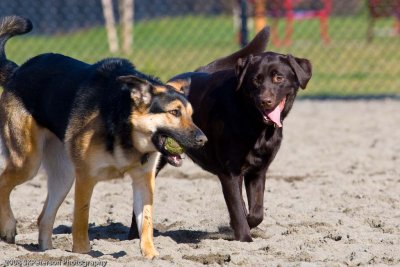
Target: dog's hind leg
255 186
240 182
60 177
143 183
22 146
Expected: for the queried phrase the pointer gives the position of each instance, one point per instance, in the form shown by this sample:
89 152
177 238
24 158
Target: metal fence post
243 16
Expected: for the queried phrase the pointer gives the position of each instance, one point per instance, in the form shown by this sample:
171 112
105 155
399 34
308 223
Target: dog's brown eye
277 78
258 79
175 112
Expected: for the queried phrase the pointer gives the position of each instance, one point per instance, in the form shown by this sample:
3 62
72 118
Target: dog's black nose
267 103
201 139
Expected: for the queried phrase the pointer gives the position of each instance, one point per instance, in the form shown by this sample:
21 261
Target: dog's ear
132 81
139 88
302 68
181 85
241 68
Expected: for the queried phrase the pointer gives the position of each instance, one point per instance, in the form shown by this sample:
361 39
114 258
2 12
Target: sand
332 199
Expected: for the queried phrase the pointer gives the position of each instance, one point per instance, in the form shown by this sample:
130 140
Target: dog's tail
256 46
9 27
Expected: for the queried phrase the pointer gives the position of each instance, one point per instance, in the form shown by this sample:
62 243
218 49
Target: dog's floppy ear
302 68
181 85
140 89
241 68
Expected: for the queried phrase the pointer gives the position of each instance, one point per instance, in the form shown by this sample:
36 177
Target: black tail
10 26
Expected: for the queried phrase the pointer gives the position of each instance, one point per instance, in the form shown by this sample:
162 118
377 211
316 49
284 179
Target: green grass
167 46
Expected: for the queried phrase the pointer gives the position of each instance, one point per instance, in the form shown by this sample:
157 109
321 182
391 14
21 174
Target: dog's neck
248 106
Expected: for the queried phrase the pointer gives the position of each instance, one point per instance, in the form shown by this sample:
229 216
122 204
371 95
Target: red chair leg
324 29
289 32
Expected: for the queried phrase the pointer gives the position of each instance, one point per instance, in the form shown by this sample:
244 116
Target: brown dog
240 102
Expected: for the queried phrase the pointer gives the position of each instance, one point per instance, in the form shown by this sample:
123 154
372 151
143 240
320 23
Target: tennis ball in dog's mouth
172 146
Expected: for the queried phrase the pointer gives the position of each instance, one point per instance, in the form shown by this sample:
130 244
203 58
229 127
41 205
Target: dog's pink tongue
275 115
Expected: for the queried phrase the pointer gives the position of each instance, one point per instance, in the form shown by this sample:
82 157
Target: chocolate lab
240 102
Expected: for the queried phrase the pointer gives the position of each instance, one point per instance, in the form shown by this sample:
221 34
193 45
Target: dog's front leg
133 232
83 192
237 211
143 183
255 186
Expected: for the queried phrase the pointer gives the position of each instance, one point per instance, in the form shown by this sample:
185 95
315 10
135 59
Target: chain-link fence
354 45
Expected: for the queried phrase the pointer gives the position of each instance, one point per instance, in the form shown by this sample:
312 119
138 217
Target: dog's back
48 85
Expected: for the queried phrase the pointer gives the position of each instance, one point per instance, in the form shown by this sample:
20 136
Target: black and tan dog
93 122
240 102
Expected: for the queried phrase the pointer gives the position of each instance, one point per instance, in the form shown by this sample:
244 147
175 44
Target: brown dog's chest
263 151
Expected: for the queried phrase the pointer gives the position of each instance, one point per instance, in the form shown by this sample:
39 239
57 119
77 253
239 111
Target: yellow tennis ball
172 146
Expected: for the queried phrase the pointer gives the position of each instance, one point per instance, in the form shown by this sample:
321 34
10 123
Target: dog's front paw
245 238
254 220
45 245
8 231
149 252
81 248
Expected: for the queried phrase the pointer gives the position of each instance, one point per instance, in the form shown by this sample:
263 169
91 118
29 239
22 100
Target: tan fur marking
189 109
176 104
20 133
159 89
186 120
80 135
178 85
21 138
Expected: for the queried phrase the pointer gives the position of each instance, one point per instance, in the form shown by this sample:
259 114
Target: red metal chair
287 9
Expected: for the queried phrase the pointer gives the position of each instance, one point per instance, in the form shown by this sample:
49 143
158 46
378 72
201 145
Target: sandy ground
332 199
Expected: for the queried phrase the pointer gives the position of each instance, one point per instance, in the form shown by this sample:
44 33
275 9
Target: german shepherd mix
240 102
93 122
